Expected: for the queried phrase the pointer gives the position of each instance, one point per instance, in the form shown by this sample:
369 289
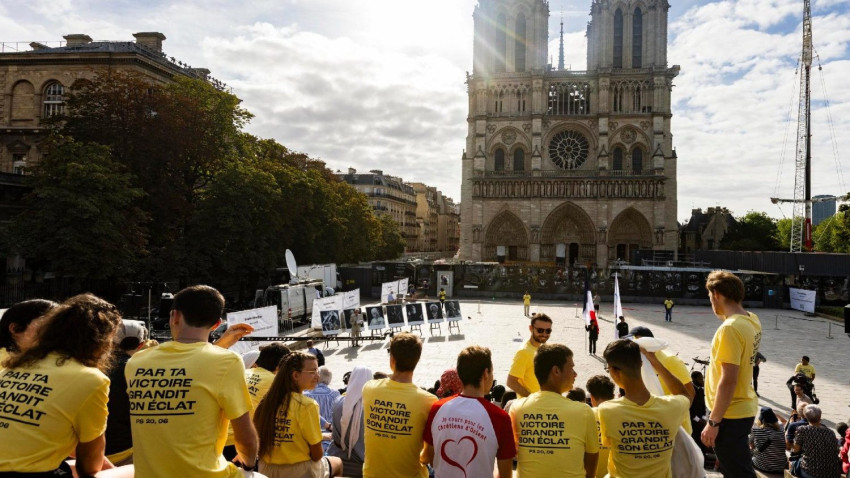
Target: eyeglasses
543 331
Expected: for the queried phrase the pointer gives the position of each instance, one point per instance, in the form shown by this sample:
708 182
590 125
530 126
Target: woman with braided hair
287 424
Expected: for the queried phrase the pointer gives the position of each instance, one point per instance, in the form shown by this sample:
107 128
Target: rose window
569 149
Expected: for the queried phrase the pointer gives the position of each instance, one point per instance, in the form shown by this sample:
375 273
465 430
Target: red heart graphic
458 448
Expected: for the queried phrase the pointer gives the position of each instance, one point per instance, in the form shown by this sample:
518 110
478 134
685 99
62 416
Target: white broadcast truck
294 301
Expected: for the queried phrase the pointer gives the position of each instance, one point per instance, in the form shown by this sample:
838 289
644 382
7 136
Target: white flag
618 308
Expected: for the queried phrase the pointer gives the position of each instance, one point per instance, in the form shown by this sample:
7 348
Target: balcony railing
576 173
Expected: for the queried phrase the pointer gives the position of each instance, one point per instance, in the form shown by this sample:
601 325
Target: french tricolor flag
589 312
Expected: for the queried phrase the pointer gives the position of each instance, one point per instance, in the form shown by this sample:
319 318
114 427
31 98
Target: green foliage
833 234
164 184
783 233
756 231
82 217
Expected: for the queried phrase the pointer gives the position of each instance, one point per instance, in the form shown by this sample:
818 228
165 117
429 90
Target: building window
500 45
637 38
519 160
618 39
637 160
54 100
19 163
618 159
519 44
500 160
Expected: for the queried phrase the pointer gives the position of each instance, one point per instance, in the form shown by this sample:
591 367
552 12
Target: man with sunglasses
521 377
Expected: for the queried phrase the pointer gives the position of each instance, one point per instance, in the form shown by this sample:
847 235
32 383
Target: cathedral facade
569 167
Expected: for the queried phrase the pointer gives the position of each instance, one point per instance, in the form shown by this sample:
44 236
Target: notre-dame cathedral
569 167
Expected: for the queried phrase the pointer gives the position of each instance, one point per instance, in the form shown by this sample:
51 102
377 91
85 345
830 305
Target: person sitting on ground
767 443
574 449
288 424
818 448
640 413
325 396
184 435
130 338
577 395
61 378
841 430
450 384
798 419
259 379
601 389
393 450
17 329
348 443
493 438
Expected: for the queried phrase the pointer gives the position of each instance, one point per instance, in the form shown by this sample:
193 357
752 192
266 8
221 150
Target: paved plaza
500 325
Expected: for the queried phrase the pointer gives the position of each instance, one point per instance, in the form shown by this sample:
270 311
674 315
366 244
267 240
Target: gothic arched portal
629 232
506 234
568 236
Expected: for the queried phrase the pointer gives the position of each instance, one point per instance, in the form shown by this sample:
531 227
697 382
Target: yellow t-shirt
679 370
259 381
46 410
735 342
641 436
808 370
604 451
523 368
181 398
295 431
526 299
552 434
394 416
668 304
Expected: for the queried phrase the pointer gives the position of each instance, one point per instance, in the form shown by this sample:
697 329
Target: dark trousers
732 448
756 378
668 315
593 344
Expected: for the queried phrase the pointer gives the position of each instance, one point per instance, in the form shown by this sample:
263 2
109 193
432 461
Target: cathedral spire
561 49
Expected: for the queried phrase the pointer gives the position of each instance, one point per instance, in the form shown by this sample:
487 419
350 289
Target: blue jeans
668 315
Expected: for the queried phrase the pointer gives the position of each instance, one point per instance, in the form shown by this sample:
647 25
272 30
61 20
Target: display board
395 316
375 318
802 299
453 311
414 314
263 320
435 312
325 304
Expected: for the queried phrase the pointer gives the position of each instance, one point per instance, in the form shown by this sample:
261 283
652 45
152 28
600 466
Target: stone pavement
500 325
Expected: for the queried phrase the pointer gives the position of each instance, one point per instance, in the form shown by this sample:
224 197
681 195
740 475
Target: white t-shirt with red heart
468 435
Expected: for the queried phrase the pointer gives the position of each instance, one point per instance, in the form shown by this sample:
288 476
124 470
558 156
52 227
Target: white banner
802 299
325 304
618 307
264 321
351 299
388 287
403 284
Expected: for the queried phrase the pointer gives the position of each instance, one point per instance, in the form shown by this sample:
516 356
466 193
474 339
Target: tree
833 234
82 218
392 243
783 233
756 231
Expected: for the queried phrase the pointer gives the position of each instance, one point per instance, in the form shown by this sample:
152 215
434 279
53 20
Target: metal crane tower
801 225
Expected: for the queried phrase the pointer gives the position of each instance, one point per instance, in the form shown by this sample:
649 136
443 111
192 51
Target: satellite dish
292 266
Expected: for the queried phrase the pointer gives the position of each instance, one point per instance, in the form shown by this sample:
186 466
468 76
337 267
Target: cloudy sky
379 84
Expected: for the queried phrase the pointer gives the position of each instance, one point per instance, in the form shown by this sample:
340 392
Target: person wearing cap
521 377
450 384
729 385
129 339
675 365
767 443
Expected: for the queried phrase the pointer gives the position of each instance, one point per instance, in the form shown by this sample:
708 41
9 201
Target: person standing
729 391
640 428
759 359
492 438
395 411
356 324
592 334
622 328
442 296
668 310
698 410
545 447
207 383
521 378
526 303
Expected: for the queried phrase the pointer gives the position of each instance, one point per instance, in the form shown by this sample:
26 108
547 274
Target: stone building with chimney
569 167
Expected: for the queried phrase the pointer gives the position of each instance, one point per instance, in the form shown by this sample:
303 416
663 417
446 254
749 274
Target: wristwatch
712 423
